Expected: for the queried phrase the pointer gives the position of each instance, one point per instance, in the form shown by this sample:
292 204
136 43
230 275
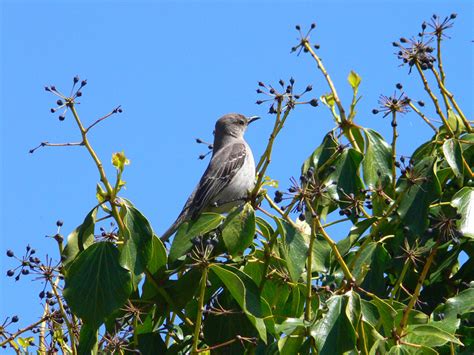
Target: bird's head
233 124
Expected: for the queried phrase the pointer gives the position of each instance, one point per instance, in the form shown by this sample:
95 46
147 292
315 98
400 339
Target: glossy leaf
294 248
322 153
97 276
420 191
377 163
188 230
245 292
87 339
334 333
463 200
429 335
79 239
138 234
346 173
453 154
238 229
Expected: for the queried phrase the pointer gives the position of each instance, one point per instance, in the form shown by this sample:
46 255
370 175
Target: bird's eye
241 122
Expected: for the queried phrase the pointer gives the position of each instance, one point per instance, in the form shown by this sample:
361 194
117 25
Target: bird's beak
252 119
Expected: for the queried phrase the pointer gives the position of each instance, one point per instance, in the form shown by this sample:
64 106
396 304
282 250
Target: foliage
277 282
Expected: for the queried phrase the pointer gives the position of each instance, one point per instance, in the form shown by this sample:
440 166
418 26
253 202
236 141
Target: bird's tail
174 227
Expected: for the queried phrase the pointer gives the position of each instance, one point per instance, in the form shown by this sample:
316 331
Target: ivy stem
399 282
323 70
69 326
394 149
344 124
168 299
100 167
446 92
197 326
433 98
424 118
266 157
21 331
441 70
416 293
332 244
309 274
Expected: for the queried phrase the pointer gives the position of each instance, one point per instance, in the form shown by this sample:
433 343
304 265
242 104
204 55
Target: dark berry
41 294
15 319
10 253
60 102
309 88
375 111
76 79
314 102
25 271
83 83
298 27
421 103
399 86
10 273
313 25
302 217
79 94
59 223
259 102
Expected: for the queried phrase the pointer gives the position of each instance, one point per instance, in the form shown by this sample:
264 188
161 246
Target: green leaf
326 150
264 227
420 192
87 339
80 238
429 335
346 173
355 233
455 122
377 163
463 200
151 343
387 314
293 248
410 350
238 229
138 234
461 304
453 154
96 284
354 80
321 255
334 333
157 262
245 292
188 230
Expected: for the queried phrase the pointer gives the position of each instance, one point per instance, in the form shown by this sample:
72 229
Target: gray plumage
229 177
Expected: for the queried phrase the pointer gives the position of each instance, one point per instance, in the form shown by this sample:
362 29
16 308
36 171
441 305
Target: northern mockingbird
229 177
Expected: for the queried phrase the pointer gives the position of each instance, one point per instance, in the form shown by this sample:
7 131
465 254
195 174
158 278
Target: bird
229 177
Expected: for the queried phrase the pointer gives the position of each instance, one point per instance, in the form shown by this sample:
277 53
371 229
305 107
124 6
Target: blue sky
175 68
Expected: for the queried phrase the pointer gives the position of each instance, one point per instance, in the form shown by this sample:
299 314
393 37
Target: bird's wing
221 170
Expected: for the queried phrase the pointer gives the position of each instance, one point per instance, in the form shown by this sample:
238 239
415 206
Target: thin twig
428 122
114 111
47 144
